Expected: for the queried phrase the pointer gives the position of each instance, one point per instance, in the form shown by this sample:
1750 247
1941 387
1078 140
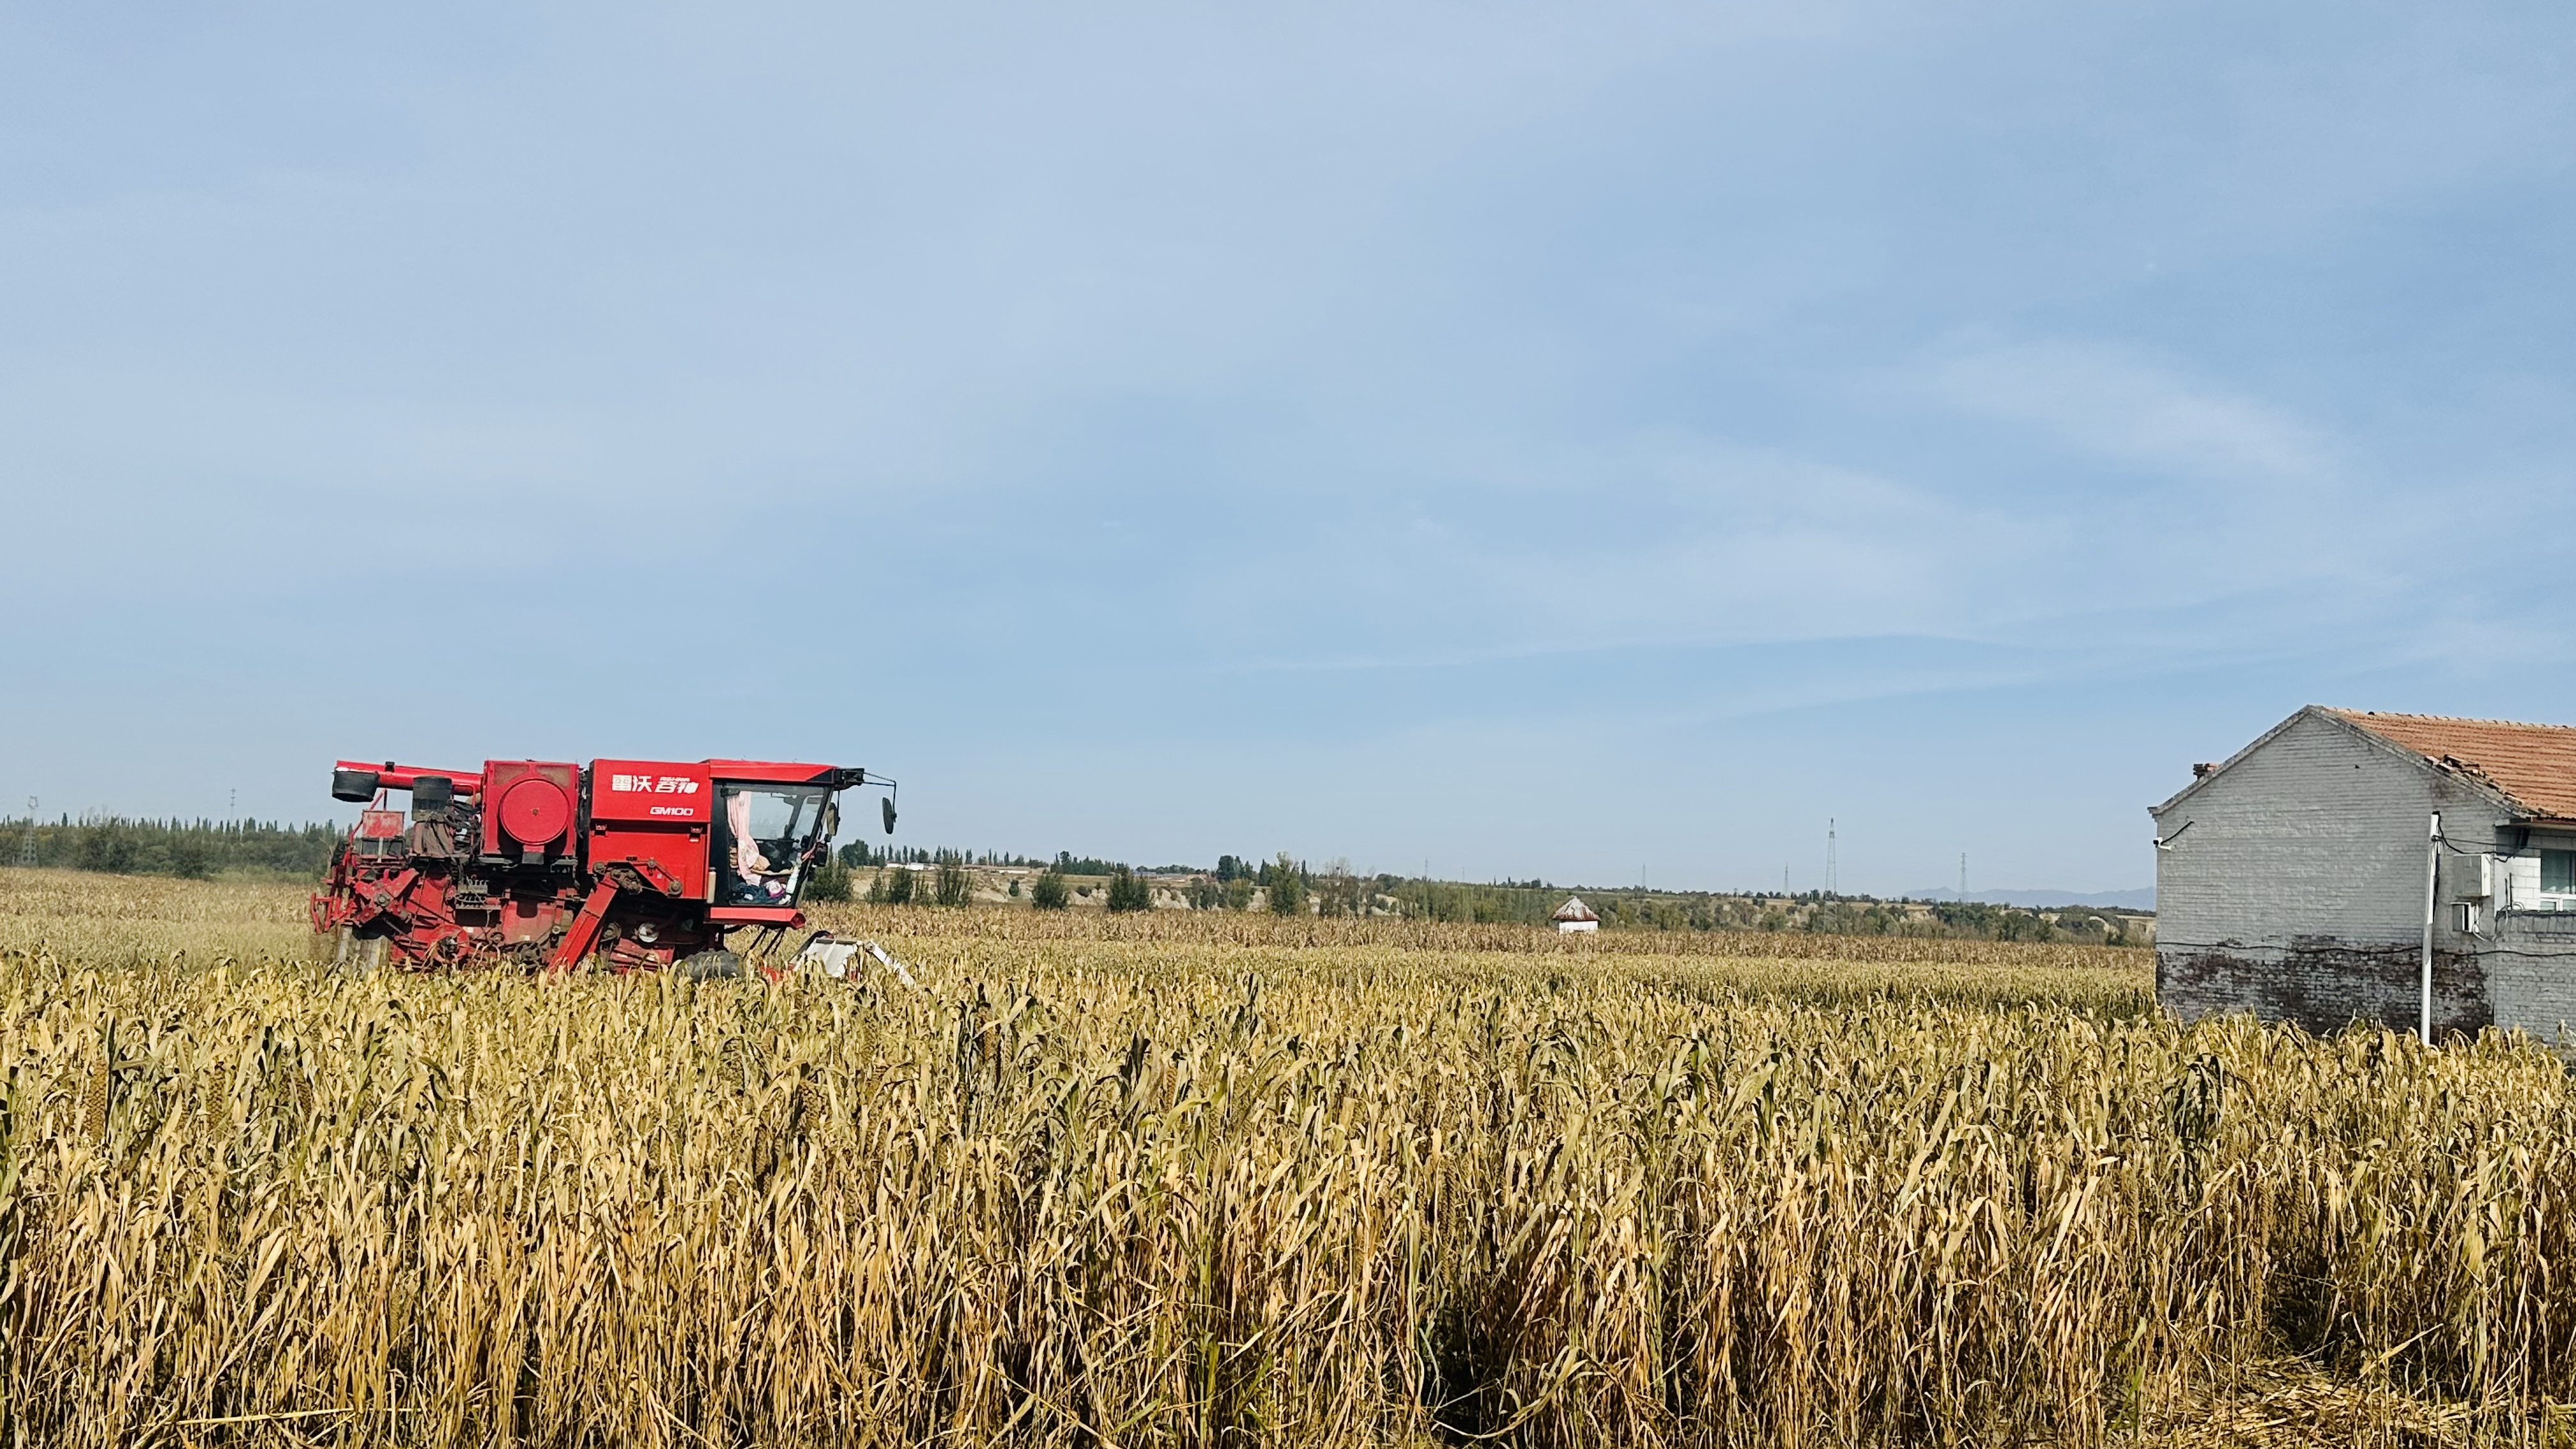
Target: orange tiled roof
2535 764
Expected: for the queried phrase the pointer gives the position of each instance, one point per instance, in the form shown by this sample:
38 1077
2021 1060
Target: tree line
1287 886
191 849
859 855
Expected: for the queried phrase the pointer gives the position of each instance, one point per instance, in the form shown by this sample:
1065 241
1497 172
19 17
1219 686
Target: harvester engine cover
641 863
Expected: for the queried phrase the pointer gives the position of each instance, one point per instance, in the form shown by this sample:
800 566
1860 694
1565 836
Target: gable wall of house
2298 891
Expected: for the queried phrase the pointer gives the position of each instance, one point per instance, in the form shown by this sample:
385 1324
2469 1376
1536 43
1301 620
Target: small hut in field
1574 915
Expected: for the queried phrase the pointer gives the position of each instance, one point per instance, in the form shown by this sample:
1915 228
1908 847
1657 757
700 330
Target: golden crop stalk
1221 1181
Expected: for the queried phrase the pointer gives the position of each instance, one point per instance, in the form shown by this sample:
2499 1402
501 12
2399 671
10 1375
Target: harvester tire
710 966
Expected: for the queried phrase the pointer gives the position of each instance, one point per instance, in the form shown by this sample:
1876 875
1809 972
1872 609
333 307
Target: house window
2558 872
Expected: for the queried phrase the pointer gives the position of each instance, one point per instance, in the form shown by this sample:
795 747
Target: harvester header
643 863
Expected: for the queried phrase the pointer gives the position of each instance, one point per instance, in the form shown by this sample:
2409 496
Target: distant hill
2141 899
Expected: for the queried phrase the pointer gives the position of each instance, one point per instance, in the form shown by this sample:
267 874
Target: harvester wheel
710 966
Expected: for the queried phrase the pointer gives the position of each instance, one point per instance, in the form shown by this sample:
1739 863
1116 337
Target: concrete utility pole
2432 884
1833 878
1963 875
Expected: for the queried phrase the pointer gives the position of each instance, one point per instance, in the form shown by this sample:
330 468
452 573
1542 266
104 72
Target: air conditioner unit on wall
2472 877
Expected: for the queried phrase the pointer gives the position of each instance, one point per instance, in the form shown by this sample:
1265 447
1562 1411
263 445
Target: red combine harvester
644 863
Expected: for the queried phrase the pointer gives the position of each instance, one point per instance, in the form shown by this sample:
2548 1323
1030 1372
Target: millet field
1212 1179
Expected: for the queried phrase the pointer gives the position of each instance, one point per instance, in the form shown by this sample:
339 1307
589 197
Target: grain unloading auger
641 863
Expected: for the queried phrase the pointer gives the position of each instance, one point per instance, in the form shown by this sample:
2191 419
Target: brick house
2292 880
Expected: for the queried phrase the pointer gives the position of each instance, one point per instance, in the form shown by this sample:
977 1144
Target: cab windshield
762 835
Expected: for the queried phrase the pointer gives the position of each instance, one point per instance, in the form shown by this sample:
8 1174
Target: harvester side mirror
885 807
355 786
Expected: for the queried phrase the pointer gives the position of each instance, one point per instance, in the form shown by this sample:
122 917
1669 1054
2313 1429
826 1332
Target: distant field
1217 1179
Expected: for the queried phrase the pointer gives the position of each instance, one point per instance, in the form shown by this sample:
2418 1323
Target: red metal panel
380 825
526 922
653 815
674 853
500 775
654 790
534 811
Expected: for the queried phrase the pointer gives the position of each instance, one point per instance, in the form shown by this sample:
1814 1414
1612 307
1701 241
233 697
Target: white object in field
1574 915
891 964
832 957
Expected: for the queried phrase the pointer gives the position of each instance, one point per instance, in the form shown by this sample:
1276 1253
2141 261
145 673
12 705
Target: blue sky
1575 441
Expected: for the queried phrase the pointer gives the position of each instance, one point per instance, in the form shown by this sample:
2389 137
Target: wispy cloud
2118 404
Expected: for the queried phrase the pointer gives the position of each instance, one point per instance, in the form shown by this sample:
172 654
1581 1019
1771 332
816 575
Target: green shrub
191 856
109 845
1049 892
1287 886
1128 891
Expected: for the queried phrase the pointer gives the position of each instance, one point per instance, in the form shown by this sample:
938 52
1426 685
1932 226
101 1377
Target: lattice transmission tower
27 843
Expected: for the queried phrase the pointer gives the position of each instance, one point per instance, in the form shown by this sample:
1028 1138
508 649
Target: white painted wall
2319 832
2294 887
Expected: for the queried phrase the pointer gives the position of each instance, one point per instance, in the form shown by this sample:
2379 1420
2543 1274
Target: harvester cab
642 863
767 837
